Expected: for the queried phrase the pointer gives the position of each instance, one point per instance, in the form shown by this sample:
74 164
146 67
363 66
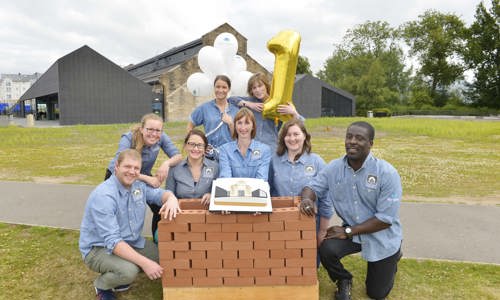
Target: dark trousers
155 209
380 274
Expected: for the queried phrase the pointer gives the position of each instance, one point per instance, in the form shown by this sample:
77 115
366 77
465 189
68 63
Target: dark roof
300 77
47 84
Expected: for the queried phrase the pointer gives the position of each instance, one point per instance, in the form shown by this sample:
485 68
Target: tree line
373 63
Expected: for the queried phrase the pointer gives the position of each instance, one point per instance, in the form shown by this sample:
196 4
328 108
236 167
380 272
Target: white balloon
237 65
210 61
240 83
199 84
227 44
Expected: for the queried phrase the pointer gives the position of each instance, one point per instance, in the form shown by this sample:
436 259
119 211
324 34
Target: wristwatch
348 232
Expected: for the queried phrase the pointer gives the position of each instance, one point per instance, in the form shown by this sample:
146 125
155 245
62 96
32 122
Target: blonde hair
245 112
131 153
137 138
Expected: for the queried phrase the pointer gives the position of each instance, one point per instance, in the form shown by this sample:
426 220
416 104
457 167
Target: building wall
13 86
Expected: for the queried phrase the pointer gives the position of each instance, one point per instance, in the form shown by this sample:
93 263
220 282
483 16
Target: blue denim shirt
209 115
255 164
288 179
267 130
114 213
148 154
372 191
180 180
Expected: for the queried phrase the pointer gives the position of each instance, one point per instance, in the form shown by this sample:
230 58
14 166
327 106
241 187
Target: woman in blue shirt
245 156
148 138
216 115
267 130
294 166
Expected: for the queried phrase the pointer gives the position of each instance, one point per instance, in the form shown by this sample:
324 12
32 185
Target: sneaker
104 294
121 288
343 289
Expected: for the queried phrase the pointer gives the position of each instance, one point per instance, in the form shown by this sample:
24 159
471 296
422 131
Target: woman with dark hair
294 166
148 138
216 116
258 89
245 156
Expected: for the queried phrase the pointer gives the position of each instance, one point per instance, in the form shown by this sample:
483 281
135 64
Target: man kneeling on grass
110 234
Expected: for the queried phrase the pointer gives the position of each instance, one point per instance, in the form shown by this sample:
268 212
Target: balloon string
276 120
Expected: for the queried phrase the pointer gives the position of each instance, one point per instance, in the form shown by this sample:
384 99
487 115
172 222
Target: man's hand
170 208
320 237
336 232
306 207
152 269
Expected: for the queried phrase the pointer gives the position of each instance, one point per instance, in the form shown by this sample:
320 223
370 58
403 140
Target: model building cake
240 194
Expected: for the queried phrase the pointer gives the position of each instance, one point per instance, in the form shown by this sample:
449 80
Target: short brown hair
284 130
258 77
198 133
245 112
131 153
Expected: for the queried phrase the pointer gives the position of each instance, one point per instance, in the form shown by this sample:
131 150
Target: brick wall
203 249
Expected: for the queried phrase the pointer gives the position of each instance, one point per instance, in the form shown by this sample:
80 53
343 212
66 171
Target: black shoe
343 289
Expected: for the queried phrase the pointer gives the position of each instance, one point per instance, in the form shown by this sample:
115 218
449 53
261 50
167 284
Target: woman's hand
256 106
205 200
150 180
162 171
287 109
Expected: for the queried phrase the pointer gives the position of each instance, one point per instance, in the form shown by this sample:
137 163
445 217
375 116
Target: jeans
116 271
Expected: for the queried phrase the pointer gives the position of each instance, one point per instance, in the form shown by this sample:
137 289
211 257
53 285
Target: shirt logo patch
209 172
137 195
310 169
256 154
371 179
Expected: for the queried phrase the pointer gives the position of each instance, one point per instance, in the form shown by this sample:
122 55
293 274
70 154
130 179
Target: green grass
44 263
435 158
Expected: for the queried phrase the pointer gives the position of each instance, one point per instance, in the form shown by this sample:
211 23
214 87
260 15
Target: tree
437 39
369 63
482 56
303 66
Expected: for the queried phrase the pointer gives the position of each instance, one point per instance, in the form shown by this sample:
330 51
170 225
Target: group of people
364 191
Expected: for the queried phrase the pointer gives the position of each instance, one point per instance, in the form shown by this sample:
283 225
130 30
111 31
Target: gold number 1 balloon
285 46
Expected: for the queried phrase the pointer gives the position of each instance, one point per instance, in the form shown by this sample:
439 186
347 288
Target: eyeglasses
195 145
153 130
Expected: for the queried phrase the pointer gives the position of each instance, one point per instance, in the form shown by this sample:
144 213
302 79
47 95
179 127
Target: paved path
440 231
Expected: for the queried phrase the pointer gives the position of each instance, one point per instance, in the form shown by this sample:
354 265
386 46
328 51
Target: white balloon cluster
220 59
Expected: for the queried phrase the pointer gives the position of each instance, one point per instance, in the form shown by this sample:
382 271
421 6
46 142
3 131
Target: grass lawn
449 160
44 263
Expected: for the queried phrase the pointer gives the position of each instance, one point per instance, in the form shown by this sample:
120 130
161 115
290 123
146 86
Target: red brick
296 271
205 245
307 218
191 204
297 262
268 227
236 227
167 255
220 254
172 227
190 254
296 225
290 213
164 236
251 218
220 218
271 280
168 271
239 281
285 236
301 280
221 236
189 236
237 263
253 236
309 253
269 245
205 227
206 264
269 263
310 272
285 253
177 282
179 264
253 272
308 234
279 202
237 245
222 272
188 273
253 254
207 281
303 244
190 217
166 246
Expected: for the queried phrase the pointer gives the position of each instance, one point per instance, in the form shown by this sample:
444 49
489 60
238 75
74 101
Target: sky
34 34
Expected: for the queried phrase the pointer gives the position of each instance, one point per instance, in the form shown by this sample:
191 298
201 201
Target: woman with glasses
148 138
245 156
192 177
216 116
